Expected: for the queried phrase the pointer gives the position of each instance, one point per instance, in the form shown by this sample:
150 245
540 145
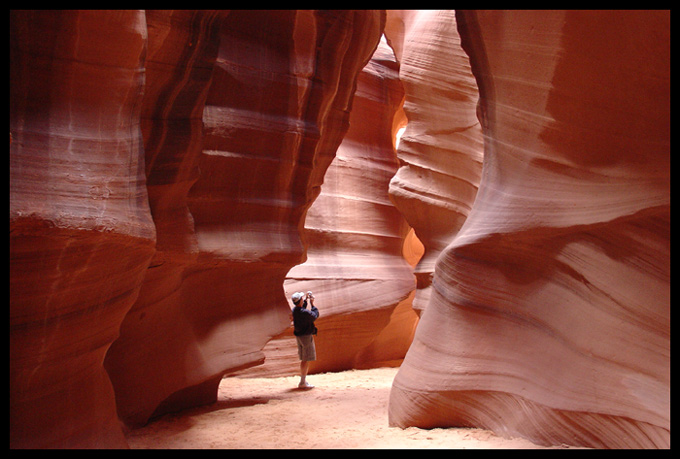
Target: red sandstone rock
549 315
355 235
81 234
228 203
230 206
441 148
554 298
155 335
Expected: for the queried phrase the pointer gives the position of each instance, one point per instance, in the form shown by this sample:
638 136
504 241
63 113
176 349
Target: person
304 331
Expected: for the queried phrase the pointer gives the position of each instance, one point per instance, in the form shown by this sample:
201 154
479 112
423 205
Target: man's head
297 297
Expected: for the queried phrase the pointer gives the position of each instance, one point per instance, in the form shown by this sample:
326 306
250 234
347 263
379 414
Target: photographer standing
304 331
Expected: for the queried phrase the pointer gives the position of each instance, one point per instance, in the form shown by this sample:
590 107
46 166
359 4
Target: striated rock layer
81 234
275 112
355 236
550 313
156 341
170 154
162 165
441 147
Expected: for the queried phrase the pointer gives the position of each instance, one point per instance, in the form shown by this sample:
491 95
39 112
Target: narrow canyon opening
364 260
361 253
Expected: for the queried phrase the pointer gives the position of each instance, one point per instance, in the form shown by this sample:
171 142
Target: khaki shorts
306 348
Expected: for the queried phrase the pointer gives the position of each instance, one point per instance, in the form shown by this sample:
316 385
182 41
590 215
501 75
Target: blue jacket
303 320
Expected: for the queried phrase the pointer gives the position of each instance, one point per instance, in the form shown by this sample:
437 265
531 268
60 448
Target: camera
310 295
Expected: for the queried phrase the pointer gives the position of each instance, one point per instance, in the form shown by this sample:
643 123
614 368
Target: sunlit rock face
441 147
550 313
355 236
81 233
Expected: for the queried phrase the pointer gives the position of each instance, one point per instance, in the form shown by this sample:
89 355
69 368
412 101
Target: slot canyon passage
175 175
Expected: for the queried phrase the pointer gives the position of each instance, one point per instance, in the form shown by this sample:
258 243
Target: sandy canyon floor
345 410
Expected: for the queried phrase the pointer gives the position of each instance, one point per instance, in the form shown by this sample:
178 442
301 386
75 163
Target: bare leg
304 368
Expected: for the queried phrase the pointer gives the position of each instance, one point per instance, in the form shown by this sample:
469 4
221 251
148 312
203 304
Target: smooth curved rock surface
441 147
230 207
81 234
550 313
155 336
239 116
355 264
163 165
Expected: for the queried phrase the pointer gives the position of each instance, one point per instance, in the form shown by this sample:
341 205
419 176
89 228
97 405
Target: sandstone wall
550 313
164 165
274 113
81 234
153 357
355 264
441 147
170 154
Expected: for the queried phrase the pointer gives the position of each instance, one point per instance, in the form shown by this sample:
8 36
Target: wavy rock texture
273 93
273 116
355 236
149 360
81 234
441 148
550 314
163 163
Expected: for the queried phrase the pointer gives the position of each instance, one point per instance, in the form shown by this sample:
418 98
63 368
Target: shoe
305 385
